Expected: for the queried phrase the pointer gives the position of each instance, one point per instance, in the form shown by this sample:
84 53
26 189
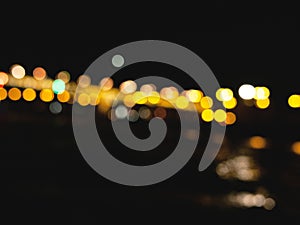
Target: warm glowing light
182 102
17 71
220 115
206 102
3 94
294 101
207 115
63 97
194 95
160 112
39 73
3 79
94 99
46 84
55 107
64 76
241 167
139 97
147 89
154 97
84 81
14 94
230 104
257 142
261 93
29 82
29 94
218 94
58 86
106 84
296 147
128 100
83 99
230 118
262 103
144 113
169 93
224 94
269 203
246 91
128 87
46 95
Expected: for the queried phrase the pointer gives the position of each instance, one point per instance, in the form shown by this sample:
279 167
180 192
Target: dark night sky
239 45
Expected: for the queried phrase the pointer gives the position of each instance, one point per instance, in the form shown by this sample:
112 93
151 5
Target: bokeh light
58 86
269 204
230 104
17 71
3 79
241 167
64 76
194 95
218 94
261 93
106 84
94 99
14 94
55 107
63 97
258 142
128 100
46 95
121 112
182 102
294 101
29 94
145 113
83 99
220 115
3 94
133 115
230 118
128 87
225 94
160 112
246 91
262 103
169 93
84 81
118 60
206 102
154 97
139 97
207 115
39 73
147 88
296 147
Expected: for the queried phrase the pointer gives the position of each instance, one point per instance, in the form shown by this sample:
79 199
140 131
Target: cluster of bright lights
128 94
250 200
240 167
257 95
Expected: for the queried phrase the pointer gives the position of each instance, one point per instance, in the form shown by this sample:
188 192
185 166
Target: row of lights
64 90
